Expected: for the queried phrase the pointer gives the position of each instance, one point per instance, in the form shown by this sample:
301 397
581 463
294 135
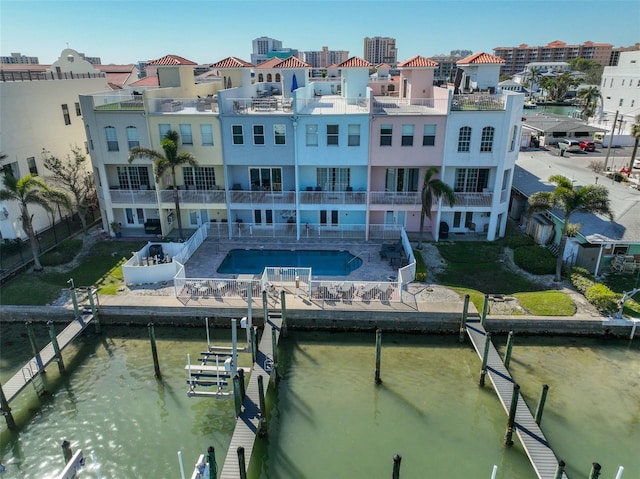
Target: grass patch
534 259
470 252
101 268
547 303
63 253
490 278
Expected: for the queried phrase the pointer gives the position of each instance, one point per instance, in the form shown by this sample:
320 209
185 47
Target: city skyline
122 32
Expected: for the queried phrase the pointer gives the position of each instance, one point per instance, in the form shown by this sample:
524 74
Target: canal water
327 418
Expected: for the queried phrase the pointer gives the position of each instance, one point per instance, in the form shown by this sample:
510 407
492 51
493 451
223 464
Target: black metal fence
16 254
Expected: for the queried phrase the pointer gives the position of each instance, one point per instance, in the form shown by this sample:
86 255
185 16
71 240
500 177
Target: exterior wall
419 83
620 89
32 121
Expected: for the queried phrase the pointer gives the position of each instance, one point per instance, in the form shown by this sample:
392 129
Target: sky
206 31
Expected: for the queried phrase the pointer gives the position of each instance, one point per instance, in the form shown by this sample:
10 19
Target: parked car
636 163
569 145
587 145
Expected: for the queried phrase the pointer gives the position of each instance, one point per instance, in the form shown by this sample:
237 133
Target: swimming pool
321 262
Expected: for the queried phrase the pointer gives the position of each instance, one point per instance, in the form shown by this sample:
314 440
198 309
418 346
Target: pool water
321 262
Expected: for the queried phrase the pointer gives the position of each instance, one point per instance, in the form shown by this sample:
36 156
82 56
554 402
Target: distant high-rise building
516 58
19 58
380 50
446 70
325 57
261 47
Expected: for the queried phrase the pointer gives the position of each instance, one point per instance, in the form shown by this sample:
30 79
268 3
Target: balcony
197 197
408 198
190 106
477 102
122 101
262 198
134 197
333 198
385 105
473 200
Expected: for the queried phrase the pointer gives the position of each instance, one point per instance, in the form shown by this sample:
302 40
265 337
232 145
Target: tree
433 188
30 190
592 70
73 176
533 78
569 200
635 133
169 160
557 87
589 97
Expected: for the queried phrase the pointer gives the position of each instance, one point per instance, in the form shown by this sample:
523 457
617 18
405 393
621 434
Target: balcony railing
32 75
137 197
121 100
408 198
478 102
333 198
402 106
262 197
200 197
208 104
478 200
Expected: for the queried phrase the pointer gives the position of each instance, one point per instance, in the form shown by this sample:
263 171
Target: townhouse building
283 156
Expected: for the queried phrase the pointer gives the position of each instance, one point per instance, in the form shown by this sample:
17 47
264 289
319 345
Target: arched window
486 141
464 139
112 138
278 78
260 77
269 77
132 137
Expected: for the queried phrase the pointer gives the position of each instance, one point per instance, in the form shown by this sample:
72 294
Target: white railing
477 101
187 105
481 200
218 288
410 198
137 197
359 291
333 197
393 105
194 196
262 197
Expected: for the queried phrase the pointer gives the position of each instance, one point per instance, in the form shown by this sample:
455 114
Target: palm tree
433 188
168 161
635 133
533 76
569 200
30 190
589 98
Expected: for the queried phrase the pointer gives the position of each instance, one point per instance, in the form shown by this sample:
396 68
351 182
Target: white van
569 145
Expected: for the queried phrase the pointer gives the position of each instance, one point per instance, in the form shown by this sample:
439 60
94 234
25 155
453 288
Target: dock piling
241 463
154 350
283 308
485 358
265 305
66 451
508 438
507 354
241 379
90 291
213 467
540 408
396 466
237 394
595 471
262 427
619 473
5 409
560 470
463 322
378 354
252 342
485 307
274 345
34 346
56 346
74 300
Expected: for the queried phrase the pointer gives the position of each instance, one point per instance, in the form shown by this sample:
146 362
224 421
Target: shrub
63 253
616 176
535 259
602 297
581 283
421 267
580 271
596 165
516 241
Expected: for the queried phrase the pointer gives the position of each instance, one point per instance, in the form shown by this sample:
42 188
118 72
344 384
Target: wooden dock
30 370
247 422
531 437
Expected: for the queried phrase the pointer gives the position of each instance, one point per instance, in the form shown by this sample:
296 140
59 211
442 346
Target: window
31 163
11 169
407 135
486 142
260 78
89 136
277 77
112 138
312 135
505 179
464 139
200 178
333 179
471 180
429 135
236 131
279 134
65 114
78 110
266 179
621 102
163 128
132 177
385 135
622 82
206 133
186 135
132 137
354 135
332 134
402 179
258 134
514 136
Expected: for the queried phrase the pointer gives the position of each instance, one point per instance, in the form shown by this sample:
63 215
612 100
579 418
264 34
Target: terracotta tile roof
270 63
480 58
231 62
383 65
354 62
146 81
115 68
418 62
293 62
171 60
118 79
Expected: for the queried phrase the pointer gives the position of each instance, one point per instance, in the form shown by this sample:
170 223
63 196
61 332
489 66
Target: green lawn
100 268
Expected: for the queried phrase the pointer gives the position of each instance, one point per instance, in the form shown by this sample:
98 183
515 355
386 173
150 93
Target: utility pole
613 129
